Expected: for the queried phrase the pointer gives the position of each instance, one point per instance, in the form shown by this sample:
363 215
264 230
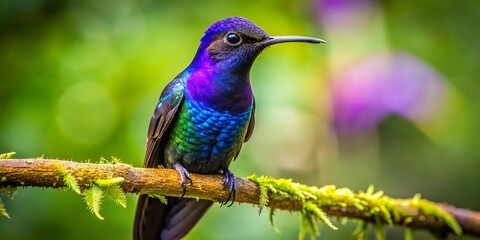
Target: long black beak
283 39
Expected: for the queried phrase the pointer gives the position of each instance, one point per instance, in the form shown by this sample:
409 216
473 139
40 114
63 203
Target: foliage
99 188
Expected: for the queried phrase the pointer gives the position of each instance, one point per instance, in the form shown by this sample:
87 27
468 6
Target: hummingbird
200 122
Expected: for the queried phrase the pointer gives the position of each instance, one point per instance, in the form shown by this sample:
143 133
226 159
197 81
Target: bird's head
233 43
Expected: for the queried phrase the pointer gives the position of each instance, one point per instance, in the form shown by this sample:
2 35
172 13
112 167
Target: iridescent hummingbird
203 117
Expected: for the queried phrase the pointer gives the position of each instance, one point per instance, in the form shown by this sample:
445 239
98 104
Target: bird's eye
232 38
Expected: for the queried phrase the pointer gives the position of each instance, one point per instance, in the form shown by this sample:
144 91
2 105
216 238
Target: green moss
360 233
9 191
109 182
93 197
279 189
383 209
270 217
7 155
113 160
3 211
408 234
69 180
429 208
380 232
312 216
112 190
263 201
101 188
162 199
97 191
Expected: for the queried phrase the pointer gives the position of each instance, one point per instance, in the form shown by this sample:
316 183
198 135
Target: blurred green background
389 101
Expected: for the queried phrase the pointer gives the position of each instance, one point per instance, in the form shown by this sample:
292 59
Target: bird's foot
184 176
230 183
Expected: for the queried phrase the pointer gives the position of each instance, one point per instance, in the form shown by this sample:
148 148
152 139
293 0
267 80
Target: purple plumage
201 121
234 23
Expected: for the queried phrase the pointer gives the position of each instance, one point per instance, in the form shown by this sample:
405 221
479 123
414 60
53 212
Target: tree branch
404 212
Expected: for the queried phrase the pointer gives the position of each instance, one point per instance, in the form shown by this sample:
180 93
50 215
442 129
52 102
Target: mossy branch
315 204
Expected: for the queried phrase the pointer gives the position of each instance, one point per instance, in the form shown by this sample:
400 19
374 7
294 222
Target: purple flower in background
366 92
370 82
342 13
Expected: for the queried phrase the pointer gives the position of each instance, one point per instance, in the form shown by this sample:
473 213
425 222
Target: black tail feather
155 220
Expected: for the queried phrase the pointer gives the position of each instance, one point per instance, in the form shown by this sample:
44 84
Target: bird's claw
230 183
184 176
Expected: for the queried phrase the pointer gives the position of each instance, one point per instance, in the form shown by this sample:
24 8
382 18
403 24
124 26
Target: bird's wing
251 124
167 107
150 214
248 134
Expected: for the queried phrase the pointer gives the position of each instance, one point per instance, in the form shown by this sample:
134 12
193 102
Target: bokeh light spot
86 113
